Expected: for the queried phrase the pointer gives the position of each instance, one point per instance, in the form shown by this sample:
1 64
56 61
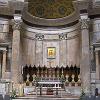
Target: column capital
96 53
84 23
63 36
16 24
39 36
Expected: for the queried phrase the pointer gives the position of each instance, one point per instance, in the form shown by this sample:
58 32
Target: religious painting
51 52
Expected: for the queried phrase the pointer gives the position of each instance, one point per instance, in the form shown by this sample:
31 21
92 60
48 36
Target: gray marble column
85 55
9 57
63 49
97 65
39 49
92 59
15 67
93 70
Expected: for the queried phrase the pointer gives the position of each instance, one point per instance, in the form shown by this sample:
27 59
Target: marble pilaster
85 55
73 48
63 49
39 49
15 67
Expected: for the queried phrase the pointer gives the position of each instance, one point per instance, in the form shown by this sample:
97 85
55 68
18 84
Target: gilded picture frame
51 52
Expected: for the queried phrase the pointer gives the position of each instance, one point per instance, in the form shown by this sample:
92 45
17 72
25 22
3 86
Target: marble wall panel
50 62
73 49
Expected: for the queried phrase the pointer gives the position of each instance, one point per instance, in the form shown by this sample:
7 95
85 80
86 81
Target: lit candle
20 89
22 69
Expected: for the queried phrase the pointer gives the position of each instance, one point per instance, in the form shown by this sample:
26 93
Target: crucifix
50 64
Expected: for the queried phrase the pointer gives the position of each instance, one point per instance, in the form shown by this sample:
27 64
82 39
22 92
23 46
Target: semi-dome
50 9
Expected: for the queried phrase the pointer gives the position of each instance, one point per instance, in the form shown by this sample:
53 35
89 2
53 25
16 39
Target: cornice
49 30
50 22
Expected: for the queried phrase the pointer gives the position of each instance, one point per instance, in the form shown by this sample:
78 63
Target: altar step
46 98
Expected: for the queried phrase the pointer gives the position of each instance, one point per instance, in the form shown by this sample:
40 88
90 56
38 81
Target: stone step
46 97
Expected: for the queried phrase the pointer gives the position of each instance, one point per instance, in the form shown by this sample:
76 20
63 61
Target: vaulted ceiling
50 9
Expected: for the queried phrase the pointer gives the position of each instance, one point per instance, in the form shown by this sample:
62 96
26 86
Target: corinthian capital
62 36
84 23
39 36
16 24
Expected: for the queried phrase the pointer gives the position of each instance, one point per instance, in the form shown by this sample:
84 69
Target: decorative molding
53 26
50 30
39 37
84 23
73 37
63 36
74 17
16 24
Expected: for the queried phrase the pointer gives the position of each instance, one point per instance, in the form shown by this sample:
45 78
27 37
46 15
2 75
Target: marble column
15 67
9 55
85 55
39 49
4 64
97 65
63 50
92 59
93 70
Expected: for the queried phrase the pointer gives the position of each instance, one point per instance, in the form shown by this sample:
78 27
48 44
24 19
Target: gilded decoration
50 9
51 52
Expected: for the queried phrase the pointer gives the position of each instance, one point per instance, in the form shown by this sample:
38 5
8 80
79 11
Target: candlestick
22 70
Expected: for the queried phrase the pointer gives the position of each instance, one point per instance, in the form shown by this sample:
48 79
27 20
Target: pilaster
63 49
85 54
15 67
39 49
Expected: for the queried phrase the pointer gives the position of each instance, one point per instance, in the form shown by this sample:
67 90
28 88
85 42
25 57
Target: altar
49 86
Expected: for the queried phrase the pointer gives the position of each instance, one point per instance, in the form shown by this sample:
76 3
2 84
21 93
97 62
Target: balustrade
69 75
